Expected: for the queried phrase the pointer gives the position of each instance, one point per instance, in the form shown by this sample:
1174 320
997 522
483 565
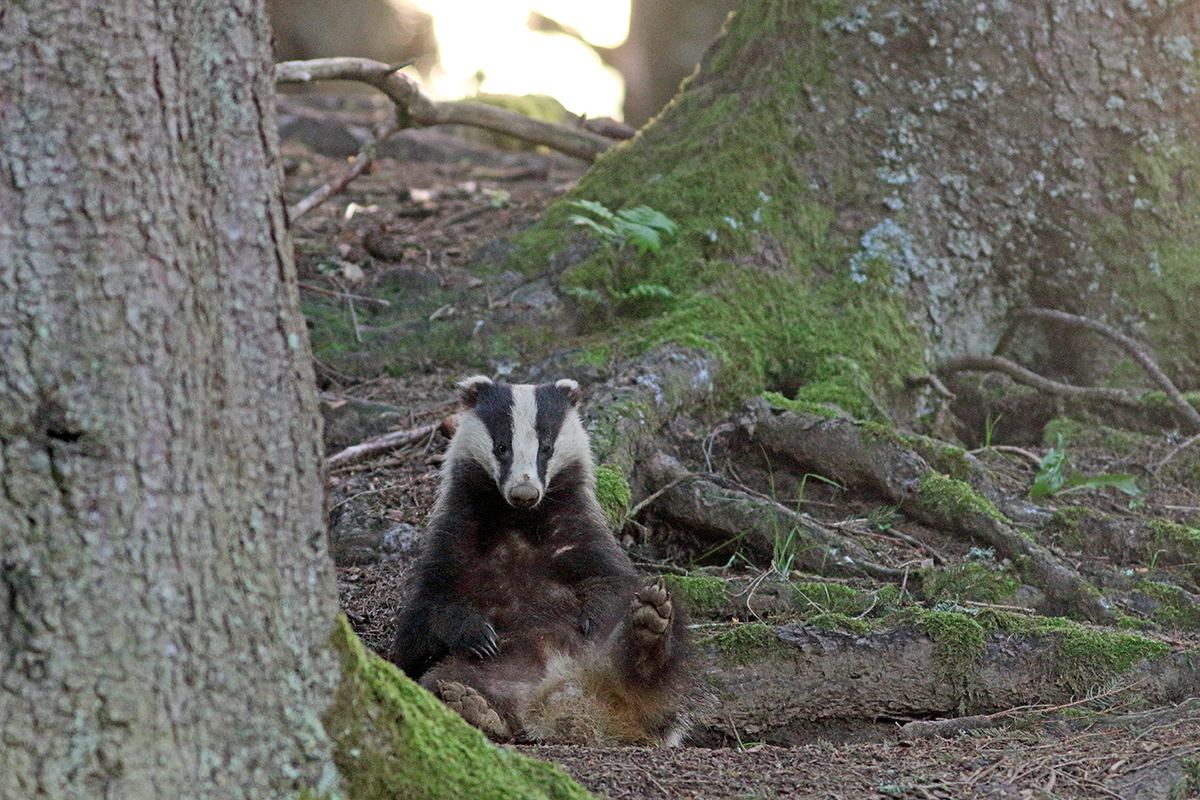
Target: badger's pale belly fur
525 615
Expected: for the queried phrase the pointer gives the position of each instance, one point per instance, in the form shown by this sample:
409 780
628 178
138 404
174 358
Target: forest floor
418 219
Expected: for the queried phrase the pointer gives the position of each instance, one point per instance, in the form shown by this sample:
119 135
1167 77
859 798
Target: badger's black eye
500 449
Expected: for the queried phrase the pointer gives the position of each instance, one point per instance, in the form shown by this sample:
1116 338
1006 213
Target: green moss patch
1064 528
969 581
614 494
1172 607
394 739
1086 657
952 498
815 598
702 595
1168 532
957 637
745 643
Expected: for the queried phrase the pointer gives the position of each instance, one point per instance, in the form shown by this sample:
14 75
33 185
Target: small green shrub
641 226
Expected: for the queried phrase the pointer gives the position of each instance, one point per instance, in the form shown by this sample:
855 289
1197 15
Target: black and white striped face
522 435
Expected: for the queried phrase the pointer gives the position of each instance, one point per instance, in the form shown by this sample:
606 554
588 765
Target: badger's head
522 436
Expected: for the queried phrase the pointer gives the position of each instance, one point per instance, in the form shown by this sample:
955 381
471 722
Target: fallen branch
386 442
415 109
1157 465
1131 346
802 673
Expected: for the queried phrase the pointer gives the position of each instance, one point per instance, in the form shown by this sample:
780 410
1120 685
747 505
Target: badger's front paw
474 708
477 637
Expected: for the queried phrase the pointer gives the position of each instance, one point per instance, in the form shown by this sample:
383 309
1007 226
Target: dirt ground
426 211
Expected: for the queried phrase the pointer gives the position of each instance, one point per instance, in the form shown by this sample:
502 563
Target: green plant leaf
1050 478
1050 475
1124 482
647 216
599 209
650 290
640 236
604 232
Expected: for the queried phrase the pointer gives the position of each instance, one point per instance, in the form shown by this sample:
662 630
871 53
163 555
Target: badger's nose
524 495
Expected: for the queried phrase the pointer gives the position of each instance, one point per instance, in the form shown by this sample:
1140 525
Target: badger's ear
469 389
571 389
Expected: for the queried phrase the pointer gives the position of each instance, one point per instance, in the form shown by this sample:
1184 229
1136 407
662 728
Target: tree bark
874 188
165 590
167 610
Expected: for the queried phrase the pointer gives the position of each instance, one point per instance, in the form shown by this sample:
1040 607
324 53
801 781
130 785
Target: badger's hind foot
474 708
650 612
648 631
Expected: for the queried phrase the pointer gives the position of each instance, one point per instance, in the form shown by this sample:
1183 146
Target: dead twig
1032 458
415 109
361 163
383 443
308 287
1157 465
1134 348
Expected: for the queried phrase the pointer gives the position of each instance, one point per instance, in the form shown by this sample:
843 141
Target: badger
524 613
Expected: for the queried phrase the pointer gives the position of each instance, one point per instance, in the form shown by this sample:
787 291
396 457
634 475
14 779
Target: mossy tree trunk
167 608
868 188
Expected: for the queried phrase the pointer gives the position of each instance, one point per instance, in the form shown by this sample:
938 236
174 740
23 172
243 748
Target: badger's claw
480 642
474 708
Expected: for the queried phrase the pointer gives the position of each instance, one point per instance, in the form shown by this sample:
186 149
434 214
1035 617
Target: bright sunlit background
490 35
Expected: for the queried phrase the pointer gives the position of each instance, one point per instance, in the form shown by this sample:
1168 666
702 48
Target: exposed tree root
802 675
722 516
853 456
1135 349
1045 385
1085 394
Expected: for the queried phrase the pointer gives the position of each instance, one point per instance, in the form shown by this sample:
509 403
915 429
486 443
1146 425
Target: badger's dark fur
525 614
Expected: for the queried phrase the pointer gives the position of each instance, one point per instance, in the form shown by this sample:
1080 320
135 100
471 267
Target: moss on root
1086 657
816 598
1185 538
394 739
957 638
702 595
1172 608
746 643
953 498
1064 528
969 581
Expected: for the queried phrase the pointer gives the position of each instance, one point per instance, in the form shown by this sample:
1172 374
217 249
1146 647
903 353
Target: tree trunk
167 609
167 597
864 193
